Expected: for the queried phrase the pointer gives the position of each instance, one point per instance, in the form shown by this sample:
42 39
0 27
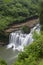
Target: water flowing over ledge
18 40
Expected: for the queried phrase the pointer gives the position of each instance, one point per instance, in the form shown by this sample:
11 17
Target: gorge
17 42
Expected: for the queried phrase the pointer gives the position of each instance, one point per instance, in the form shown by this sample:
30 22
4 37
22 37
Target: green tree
25 29
41 14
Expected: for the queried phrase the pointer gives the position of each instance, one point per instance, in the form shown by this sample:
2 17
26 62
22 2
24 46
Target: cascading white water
17 40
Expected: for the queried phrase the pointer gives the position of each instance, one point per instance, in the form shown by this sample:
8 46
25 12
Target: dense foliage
14 11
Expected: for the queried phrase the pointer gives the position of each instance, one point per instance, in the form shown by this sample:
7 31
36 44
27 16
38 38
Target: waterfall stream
18 40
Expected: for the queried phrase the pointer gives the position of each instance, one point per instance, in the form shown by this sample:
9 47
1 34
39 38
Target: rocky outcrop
14 27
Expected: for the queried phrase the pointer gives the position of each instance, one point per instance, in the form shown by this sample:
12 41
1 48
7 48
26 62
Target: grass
41 62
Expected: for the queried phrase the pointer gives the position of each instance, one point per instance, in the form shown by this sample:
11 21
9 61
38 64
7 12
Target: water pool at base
8 55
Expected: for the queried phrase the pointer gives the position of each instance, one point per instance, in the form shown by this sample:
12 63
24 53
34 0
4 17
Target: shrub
25 29
2 62
36 35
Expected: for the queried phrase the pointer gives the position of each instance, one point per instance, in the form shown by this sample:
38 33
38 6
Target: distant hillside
16 11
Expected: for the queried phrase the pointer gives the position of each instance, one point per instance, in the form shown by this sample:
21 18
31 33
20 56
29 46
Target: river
8 55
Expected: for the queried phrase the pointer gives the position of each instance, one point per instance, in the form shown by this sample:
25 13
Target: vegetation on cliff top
15 11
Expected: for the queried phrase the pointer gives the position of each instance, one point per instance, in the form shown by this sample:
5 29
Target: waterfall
18 40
